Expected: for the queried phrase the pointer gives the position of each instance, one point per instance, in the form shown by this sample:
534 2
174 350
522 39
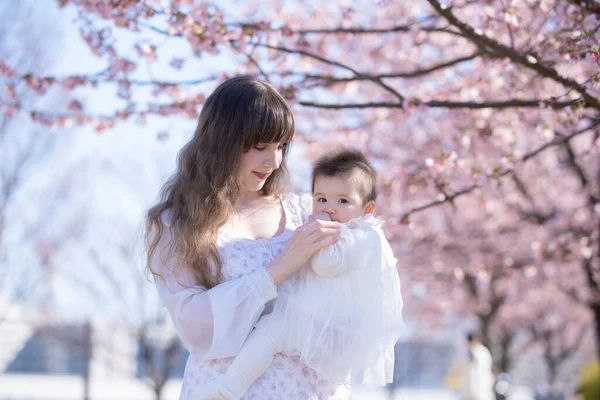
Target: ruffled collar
364 221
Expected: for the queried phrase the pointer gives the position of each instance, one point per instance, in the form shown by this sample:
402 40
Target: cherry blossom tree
482 117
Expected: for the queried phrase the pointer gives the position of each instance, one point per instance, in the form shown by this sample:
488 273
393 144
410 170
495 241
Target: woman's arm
215 323
211 323
348 253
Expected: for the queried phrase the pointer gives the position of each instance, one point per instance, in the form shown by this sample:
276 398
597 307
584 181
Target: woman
224 236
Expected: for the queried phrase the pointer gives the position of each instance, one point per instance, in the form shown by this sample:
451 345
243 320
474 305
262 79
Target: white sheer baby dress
342 312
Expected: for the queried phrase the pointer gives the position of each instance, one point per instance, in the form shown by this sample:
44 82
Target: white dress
213 324
342 314
480 384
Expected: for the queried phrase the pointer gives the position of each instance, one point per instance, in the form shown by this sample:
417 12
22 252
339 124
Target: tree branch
310 55
334 63
256 64
593 284
521 187
449 104
98 79
591 6
576 167
407 75
376 31
358 30
556 142
527 60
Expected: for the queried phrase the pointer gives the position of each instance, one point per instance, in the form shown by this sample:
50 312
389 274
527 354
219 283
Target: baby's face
339 197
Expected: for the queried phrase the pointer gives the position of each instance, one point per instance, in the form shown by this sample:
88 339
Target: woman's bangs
271 122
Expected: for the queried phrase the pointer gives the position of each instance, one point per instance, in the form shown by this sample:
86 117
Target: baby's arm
348 253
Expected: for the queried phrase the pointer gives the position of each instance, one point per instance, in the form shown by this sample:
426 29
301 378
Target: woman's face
258 164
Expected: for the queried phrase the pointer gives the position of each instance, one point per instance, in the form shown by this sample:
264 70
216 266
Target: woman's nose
273 160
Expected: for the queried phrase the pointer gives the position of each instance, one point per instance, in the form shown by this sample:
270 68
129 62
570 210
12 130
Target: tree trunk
157 391
86 347
596 310
485 324
552 367
504 364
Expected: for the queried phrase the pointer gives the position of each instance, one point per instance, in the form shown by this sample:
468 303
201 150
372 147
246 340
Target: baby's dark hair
343 162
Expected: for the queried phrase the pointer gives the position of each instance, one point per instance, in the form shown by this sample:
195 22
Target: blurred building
98 349
423 364
17 326
111 356
45 359
32 343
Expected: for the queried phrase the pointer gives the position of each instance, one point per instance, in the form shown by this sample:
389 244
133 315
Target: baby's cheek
353 212
318 207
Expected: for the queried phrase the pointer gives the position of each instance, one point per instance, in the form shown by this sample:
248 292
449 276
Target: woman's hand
306 241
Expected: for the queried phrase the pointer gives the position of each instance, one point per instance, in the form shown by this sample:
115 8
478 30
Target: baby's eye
343 201
321 200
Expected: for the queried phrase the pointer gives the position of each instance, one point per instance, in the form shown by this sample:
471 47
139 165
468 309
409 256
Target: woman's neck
249 199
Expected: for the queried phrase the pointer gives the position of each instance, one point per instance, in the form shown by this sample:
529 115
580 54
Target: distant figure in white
479 377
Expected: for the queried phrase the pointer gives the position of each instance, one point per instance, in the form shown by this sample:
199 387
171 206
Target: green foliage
590 381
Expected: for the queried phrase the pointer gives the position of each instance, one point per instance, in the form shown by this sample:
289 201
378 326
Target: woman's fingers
328 224
317 230
325 242
306 240
325 227
323 216
322 232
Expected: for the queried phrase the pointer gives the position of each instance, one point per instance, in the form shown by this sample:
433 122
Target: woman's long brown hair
203 192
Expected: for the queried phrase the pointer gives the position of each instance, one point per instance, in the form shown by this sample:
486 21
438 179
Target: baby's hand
323 216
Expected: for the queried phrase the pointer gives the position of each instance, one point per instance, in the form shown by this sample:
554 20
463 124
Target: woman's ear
369 208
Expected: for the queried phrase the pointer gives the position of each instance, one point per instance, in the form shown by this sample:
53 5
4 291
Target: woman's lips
261 176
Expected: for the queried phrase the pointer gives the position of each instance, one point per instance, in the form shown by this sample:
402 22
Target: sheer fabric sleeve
302 205
211 323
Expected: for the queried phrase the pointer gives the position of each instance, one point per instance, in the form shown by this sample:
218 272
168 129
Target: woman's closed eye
262 147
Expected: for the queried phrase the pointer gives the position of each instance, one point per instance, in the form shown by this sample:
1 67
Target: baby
341 314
